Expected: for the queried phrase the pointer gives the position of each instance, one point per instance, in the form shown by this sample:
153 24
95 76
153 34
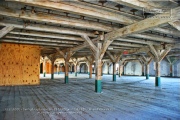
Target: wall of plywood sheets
19 64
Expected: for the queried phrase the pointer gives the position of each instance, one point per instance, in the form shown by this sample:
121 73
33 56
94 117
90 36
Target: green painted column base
44 74
88 73
108 72
101 74
66 80
158 81
114 77
52 76
147 76
171 75
142 73
76 74
98 86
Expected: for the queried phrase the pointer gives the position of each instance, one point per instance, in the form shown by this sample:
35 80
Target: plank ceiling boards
53 24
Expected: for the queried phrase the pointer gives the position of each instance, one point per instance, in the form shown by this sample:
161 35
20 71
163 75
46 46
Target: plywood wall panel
19 64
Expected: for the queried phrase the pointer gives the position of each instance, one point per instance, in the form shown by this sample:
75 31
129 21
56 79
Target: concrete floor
128 98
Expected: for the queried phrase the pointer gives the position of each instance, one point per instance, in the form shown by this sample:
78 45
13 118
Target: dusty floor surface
128 98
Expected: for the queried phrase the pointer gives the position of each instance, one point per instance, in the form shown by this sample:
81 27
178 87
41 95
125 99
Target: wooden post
58 69
171 61
52 69
123 70
44 67
75 69
158 74
171 69
114 71
98 86
90 70
71 68
52 57
102 68
87 64
142 69
66 71
114 59
120 69
108 68
98 81
67 55
147 71
158 57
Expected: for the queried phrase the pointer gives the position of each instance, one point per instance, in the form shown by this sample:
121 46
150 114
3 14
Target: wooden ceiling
76 24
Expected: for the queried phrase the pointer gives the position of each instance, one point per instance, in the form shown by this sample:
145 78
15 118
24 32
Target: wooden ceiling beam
126 44
168 31
5 30
176 24
146 24
137 4
48 35
45 28
41 40
154 37
54 19
35 43
85 10
134 40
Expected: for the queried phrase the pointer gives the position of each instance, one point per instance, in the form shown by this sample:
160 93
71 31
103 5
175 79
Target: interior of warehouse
89 59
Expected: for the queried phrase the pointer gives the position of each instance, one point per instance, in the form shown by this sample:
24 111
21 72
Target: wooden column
114 71
90 70
120 69
52 57
67 55
171 70
147 71
52 69
108 68
44 67
60 69
79 68
114 59
98 85
66 79
90 60
158 74
87 64
71 68
142 69
98 80
102 68
158 57
75 69
171 61
75 62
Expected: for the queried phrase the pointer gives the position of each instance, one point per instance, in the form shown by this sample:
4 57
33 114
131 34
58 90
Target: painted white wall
133 68
105 68
165 68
